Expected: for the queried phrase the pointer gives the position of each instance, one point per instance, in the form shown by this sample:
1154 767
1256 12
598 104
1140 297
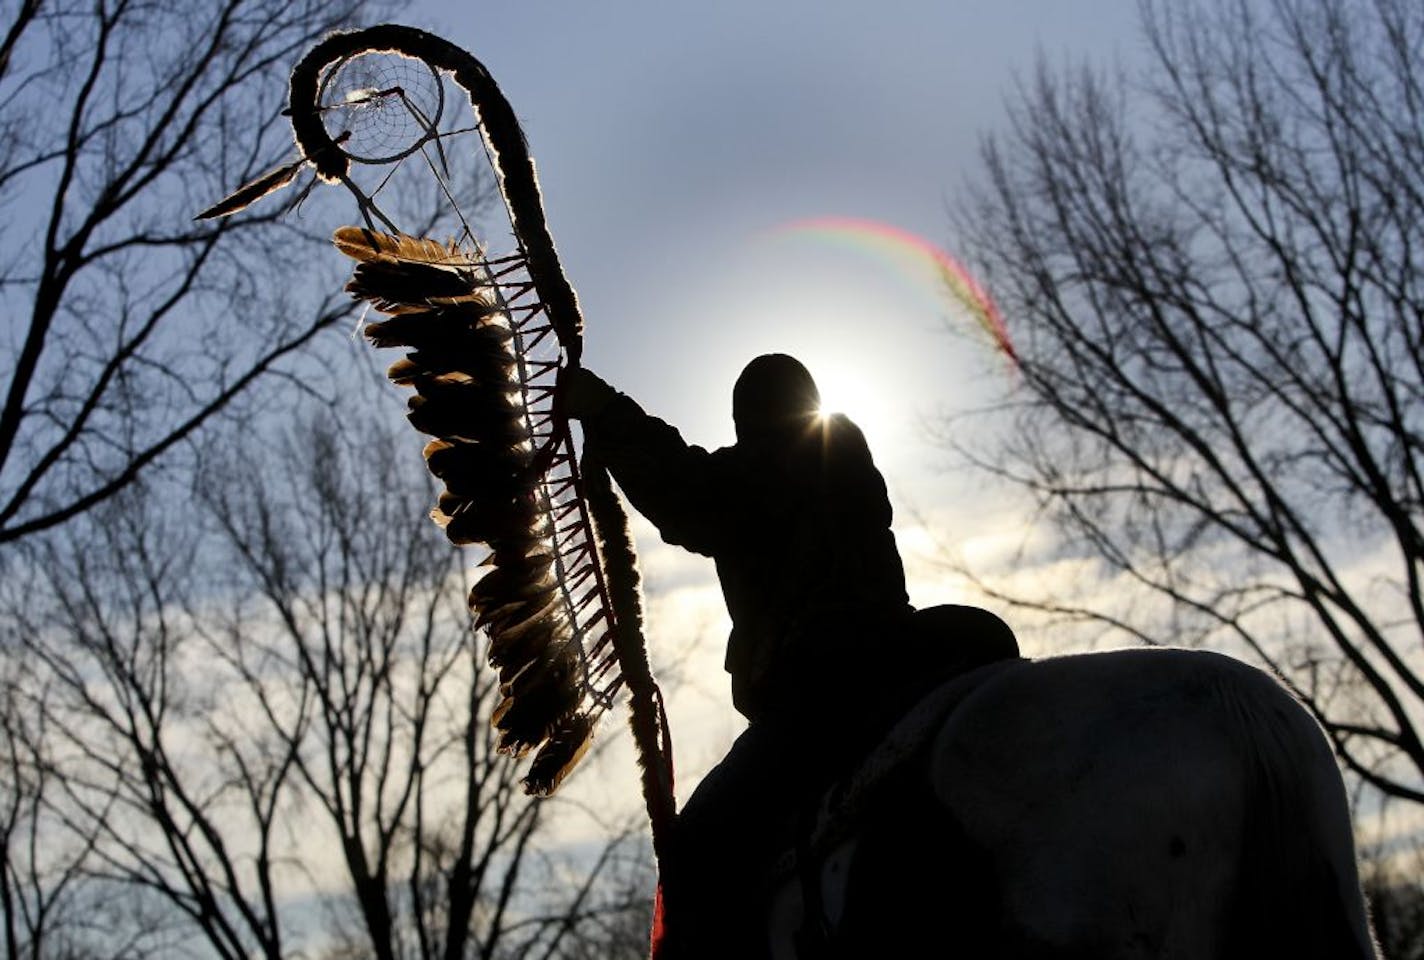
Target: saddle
943 655
841 804
808 880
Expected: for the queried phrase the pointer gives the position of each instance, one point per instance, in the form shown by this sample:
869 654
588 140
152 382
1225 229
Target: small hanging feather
254 190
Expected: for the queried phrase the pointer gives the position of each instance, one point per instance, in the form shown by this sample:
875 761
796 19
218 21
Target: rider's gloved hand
585 394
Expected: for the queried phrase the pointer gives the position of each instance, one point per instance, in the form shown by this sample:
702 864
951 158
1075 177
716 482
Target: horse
1119 805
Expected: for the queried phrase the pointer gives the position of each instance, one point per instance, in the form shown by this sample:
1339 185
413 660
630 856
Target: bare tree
284 714
128 326
388 729
245 710
48 905
1213 274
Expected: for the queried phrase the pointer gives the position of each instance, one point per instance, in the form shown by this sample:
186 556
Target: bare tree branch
124 119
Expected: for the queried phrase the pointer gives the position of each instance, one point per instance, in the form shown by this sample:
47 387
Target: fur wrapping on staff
650 734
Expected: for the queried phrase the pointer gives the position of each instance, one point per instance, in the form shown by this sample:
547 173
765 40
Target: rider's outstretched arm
676 485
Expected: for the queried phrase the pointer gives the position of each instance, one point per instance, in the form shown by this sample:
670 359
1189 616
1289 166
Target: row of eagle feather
464 369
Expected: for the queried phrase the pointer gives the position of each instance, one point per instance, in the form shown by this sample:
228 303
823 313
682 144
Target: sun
844 389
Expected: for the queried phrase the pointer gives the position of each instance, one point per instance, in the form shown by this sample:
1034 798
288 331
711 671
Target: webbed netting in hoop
387 104
487 339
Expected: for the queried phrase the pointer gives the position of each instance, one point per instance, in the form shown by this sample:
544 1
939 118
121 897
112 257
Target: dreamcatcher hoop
504 145
379 100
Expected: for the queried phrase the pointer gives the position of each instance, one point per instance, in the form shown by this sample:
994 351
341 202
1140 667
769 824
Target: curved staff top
508 154
503 138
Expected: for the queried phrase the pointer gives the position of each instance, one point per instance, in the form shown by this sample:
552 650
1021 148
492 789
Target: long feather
429 328
532 614
395 271
536 701
494 520
363 244
475 470
469 411
561 752
474 365
388 282
502 583
512 655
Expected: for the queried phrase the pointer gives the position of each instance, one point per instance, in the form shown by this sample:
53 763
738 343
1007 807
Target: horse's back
1150 803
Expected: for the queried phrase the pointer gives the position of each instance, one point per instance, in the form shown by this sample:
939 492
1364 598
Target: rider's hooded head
774 397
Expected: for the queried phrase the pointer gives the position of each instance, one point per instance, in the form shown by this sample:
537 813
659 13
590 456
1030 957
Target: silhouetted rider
825 649
795 515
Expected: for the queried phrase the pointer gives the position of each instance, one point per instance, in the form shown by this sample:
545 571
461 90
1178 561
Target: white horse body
1121 805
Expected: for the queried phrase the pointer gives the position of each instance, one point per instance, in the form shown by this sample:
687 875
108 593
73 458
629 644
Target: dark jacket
799 530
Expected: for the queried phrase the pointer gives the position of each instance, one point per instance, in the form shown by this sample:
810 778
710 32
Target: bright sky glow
946 280
854 390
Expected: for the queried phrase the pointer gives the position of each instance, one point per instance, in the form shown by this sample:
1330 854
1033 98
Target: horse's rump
1128 804
1146 803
